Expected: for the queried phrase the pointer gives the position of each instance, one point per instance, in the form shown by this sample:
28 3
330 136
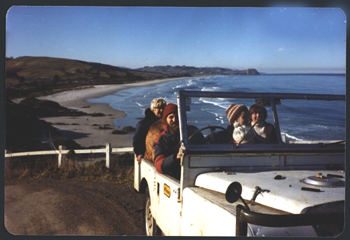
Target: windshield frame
185 95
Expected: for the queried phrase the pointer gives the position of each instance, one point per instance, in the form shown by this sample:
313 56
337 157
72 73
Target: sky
269 39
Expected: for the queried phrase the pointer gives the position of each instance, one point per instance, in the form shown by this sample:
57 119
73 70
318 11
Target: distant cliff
195 71
249 71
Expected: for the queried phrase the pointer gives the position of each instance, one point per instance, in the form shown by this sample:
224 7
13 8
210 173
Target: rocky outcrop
23 125
124 130
46 108
249 71
252 71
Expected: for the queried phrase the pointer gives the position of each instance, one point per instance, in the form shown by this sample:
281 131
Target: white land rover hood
290 191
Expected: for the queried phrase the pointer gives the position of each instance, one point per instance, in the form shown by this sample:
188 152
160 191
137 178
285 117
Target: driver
266 132
167 147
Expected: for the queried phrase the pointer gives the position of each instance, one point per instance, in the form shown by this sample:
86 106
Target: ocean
299 119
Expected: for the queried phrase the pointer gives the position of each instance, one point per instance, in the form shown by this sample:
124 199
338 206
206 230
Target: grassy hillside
35 76
68 69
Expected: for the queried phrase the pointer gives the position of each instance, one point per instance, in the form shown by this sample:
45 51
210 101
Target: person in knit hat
237 113
266 132
152 114
238 116
170 108
167 146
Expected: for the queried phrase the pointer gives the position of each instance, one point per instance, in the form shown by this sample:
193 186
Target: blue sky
271 40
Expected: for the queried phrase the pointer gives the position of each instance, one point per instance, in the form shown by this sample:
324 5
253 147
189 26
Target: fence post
7 160
61 156
108 154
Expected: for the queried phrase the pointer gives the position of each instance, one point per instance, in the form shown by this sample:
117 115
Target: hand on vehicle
179 154
139 158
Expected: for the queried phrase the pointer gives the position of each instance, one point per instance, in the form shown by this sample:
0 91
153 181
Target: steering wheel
212 130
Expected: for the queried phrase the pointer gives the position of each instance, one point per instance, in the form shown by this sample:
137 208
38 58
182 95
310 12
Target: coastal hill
194 71
58 69
35 76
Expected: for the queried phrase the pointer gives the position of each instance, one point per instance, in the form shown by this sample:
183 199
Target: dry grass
121 170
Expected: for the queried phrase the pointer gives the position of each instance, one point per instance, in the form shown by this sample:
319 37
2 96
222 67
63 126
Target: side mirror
233 192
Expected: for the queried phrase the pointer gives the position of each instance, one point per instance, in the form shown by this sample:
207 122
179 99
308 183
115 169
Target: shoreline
86 130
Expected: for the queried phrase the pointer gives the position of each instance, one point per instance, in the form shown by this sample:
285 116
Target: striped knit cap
233 111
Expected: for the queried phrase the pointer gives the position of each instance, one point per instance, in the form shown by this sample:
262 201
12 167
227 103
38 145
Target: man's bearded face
173 123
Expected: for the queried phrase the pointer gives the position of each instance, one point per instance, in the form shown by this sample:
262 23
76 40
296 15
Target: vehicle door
166 205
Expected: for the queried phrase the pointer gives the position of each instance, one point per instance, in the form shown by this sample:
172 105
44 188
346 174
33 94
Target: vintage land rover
295 187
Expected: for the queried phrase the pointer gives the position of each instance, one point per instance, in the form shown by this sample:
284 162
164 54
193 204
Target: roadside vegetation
121 169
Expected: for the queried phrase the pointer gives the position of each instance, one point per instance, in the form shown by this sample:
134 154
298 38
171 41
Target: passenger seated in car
266 132
167 146
237 113
152 114
238 116
158 127
155 129
234 113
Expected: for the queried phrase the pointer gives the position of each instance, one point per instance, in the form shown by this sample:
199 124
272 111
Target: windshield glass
302 120
225 120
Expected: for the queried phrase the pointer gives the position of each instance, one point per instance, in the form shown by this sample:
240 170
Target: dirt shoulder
64 207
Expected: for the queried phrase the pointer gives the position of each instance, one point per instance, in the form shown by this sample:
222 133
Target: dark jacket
166 147
141 132
271 134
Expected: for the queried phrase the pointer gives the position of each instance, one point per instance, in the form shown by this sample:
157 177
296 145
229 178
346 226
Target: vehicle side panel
203 216
166 208
164 191
207 213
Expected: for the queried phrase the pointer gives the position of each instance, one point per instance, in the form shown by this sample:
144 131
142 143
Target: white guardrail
62 151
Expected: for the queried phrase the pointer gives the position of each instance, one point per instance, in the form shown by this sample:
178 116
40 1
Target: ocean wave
137 103
220 120
210 89
185 84
292 137
320 126
220 104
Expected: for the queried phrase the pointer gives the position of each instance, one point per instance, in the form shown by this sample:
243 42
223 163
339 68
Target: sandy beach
85 130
